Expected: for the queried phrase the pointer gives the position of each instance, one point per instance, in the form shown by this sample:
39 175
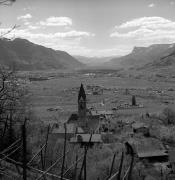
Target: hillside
25 55
140 56
165 61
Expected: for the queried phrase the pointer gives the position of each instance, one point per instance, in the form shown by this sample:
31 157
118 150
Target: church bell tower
82 105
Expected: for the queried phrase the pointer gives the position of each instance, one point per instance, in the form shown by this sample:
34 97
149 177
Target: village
96 127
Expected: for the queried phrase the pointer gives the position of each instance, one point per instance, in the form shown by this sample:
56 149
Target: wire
48 169
10 147
34 169
114 175
36 154
73 164
5 156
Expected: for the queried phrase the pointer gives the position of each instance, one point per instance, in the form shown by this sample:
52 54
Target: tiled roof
148 147
61 129
71 128
152 153
86 137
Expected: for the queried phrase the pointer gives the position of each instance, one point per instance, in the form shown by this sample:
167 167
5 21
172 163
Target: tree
12 109
169 116
133 100
7 2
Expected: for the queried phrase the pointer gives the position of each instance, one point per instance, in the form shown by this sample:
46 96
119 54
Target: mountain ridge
25 55
142 56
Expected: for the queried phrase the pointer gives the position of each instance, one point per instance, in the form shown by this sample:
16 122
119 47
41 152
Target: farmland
56 98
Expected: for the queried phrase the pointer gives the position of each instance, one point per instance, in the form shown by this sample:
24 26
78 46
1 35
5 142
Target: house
147 148
142 128
86 139
71 129
99 113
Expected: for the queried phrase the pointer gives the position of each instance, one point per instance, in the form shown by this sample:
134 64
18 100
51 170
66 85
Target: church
83 123
83 118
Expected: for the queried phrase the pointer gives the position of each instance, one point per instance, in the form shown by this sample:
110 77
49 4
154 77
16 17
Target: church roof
82 93
96 138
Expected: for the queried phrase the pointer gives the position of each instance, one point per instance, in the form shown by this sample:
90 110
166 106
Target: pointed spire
82 93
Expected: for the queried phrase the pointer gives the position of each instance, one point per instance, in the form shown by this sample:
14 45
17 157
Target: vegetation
12 106
169 116
133 100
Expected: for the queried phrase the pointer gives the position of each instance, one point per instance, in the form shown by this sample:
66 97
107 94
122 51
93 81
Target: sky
91 27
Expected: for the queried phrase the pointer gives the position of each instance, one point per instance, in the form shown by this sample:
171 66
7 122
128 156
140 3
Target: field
53 100
53 97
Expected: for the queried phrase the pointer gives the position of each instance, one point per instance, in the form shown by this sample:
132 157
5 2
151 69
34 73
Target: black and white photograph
87 89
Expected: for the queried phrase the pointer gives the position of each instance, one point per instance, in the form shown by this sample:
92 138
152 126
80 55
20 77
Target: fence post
45 150
24 152
112 165
120 167
75 170
85 155
64 152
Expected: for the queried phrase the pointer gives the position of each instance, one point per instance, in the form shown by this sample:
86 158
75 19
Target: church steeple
82 93
82 104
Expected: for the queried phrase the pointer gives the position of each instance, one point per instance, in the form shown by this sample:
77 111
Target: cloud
26 16
69 41
26 23
25 33
149 22
151 5
172 2
147 30
33 27
56 21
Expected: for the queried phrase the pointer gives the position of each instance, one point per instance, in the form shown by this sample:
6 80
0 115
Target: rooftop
71 128
148 147
97 113
139 125
96 138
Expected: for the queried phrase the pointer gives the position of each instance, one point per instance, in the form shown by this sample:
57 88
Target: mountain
167 60
93 61
25 55
141 56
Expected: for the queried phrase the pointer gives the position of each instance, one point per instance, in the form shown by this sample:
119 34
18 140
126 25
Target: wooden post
84 159
112 165
120 167
10 128
42 160
161 173
75 170
85 155
45 150
24 152
131 167
5 127
64 152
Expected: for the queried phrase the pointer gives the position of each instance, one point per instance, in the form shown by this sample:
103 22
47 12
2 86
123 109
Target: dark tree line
12 106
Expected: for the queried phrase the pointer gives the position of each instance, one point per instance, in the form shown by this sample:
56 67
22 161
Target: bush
168 116
133 100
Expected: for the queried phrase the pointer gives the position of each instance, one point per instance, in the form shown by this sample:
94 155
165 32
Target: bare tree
6 2
12 109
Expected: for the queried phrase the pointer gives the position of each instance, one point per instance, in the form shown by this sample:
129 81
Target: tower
82 105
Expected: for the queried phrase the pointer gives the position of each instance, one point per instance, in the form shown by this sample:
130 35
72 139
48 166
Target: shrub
168 116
